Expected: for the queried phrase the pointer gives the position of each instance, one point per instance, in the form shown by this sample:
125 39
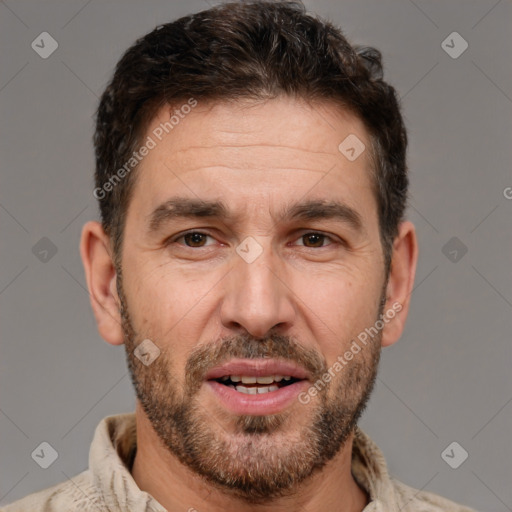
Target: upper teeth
246 379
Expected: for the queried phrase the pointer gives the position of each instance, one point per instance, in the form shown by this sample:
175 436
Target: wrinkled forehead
250 150
317 129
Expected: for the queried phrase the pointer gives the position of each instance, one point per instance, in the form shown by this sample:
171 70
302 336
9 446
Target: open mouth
256 385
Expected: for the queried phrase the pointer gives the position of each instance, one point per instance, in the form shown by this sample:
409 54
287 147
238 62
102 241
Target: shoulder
414 500
77 493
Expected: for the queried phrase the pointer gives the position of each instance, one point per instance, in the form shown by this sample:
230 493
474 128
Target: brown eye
313 240
195 239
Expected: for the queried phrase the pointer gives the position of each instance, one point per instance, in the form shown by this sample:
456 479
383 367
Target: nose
258 297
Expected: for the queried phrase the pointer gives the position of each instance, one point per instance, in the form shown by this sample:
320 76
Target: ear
401 281
101 280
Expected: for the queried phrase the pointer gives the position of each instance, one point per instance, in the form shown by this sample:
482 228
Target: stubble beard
256 459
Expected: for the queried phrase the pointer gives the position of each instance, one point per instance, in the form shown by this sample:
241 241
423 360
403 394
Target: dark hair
256 50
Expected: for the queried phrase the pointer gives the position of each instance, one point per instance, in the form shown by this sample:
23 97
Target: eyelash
319 233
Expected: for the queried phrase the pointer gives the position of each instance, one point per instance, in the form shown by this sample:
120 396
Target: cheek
168 304
338 309
339 294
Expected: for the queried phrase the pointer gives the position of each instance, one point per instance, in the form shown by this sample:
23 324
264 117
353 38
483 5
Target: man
253 259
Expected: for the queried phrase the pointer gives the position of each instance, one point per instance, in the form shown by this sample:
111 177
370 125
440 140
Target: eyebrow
182 207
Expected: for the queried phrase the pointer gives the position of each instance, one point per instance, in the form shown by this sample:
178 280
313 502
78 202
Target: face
252 260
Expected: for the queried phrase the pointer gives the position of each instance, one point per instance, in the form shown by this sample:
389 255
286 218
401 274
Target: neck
157 472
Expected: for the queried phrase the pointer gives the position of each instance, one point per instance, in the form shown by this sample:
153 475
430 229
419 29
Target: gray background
449 377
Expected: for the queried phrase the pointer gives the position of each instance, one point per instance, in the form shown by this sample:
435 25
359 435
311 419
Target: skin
258 157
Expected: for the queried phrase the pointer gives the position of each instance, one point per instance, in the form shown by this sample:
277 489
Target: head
237 228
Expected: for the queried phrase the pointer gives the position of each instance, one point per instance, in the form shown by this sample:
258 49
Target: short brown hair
254 50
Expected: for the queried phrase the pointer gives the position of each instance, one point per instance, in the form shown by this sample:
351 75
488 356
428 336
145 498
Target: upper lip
257 368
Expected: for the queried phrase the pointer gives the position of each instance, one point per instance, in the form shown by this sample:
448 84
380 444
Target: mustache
245 346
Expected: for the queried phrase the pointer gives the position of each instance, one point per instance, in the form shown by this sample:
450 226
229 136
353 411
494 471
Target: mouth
257 386
252 385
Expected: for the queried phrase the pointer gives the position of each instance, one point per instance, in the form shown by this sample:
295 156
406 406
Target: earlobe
101 280
400 282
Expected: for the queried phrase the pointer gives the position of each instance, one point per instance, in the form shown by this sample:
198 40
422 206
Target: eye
314 240
194 239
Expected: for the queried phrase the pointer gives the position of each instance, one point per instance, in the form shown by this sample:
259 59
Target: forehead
314 128
251 150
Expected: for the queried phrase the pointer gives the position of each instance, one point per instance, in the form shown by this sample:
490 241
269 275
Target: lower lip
272 402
